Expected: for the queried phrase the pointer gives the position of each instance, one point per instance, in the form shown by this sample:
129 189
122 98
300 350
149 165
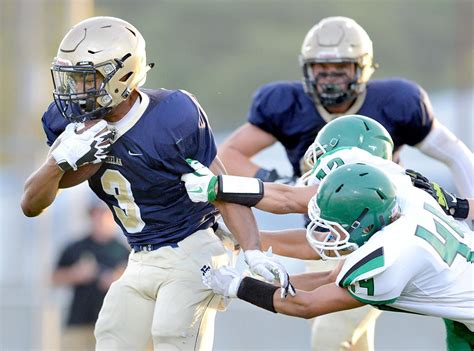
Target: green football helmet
353 202
351 131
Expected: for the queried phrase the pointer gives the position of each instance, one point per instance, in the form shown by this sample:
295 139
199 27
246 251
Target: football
72 178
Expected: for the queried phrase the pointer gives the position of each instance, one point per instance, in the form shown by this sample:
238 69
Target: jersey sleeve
381 289
191 134
270 107
380 275
414 111
53 123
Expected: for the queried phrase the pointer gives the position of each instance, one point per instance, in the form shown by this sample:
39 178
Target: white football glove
200 185
223 281
76 150
267 266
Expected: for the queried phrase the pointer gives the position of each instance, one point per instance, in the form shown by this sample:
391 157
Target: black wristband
257 293
64 166
266 175
461 210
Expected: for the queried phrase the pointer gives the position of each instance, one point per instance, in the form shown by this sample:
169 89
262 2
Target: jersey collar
132 116
328 117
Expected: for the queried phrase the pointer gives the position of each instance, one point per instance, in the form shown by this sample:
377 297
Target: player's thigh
125 318
182 301
179 305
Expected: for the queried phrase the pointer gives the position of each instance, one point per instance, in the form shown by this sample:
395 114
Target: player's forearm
289 243
282 199
305 304
241 223
41 188
236 163
309 304
313 280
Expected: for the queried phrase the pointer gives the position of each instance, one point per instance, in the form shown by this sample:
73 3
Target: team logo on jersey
113 160
134 153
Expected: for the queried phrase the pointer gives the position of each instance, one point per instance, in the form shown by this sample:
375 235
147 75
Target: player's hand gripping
201 184
268 267
76 150
224 281
448 202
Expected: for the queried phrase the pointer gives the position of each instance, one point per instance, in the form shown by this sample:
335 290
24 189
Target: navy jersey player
100 66
337 63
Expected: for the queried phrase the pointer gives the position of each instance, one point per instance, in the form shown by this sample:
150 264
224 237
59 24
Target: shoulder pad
368 261
277 97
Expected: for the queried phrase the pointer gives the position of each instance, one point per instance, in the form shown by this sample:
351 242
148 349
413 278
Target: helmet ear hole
367 229
125 77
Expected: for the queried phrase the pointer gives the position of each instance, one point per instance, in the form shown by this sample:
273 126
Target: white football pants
161 294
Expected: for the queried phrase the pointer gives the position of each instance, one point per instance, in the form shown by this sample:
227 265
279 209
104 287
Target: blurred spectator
89 266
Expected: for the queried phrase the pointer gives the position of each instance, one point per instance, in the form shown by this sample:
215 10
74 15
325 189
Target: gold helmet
100 61
337 40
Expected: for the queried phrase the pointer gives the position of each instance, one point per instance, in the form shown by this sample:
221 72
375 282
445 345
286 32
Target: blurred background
221 51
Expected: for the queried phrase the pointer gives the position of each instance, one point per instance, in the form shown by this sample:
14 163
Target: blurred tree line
222 50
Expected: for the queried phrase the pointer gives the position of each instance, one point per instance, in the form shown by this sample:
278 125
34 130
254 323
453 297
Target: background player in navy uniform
337 63
100 65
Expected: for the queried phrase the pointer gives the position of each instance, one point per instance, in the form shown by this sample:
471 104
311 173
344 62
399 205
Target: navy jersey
141 178
284 110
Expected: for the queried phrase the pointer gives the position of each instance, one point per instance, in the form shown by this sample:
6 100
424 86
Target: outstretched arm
326 297
323 300
454 206
289 243
205 185
236 152
282 199
444 146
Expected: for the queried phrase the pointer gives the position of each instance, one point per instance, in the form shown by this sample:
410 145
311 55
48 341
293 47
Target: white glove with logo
76 150
267 266
200 184
223 281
